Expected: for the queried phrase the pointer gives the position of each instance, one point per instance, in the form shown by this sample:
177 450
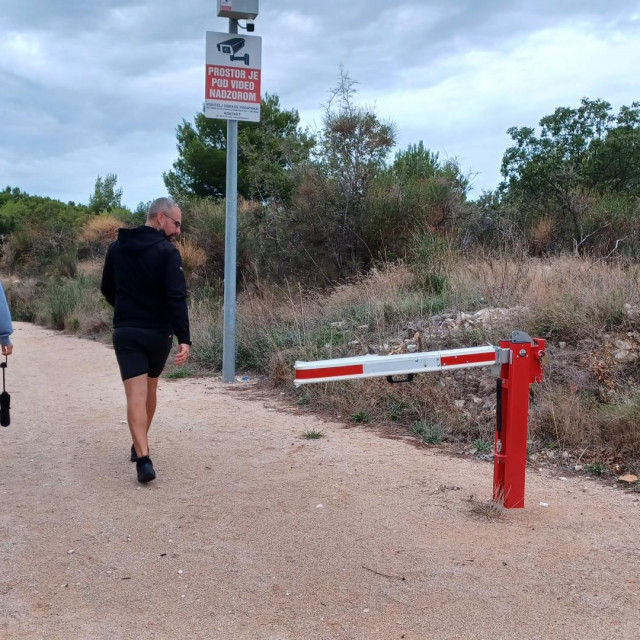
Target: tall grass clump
619 425
205 314
379 300
578 421
431 257
568 419
495 279
278 324
60 302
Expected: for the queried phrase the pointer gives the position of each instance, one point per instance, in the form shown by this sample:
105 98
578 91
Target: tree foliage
417 195
321 231
559 178
267 152
105 197
38 232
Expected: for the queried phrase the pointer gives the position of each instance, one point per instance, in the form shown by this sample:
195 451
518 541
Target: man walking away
144 282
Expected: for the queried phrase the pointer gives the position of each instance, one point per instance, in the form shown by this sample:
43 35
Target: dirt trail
251 532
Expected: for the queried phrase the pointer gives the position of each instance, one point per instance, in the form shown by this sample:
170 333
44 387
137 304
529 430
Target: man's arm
176 291
108 285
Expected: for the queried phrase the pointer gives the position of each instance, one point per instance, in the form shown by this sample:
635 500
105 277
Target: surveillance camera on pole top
239 10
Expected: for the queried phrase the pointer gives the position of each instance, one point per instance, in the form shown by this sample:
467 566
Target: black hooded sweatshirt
144 282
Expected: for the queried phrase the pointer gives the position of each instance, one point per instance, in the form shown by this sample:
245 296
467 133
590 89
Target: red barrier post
510 455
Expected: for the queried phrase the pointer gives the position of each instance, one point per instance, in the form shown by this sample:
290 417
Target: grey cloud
118 76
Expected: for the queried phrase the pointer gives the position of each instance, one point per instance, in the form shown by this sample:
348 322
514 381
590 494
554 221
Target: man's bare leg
137 392
152 398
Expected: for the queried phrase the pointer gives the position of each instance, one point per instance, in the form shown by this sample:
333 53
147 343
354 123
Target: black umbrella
5 400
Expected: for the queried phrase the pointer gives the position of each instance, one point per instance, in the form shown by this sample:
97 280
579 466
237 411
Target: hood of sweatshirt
139 239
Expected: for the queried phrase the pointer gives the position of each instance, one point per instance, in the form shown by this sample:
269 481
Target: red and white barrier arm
371 366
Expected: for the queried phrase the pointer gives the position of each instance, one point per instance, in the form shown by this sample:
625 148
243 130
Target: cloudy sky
90 88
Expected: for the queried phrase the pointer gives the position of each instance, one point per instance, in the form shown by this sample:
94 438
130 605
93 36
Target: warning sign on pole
232 84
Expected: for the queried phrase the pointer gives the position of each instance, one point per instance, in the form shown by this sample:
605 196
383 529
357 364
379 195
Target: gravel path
252 532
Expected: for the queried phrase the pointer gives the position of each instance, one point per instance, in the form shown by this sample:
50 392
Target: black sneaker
144 466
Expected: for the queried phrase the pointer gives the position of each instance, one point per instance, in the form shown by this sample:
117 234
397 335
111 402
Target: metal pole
231 227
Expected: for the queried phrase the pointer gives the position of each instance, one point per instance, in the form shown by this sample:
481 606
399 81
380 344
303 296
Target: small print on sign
225 5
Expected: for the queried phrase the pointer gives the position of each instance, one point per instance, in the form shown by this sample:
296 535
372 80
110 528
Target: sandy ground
251 531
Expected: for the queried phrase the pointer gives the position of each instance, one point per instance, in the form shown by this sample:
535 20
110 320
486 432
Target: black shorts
141 351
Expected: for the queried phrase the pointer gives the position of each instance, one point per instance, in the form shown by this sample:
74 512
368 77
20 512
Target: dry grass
22 295
102 228
379 288
586 403
575 298
578 422
494 281
206 330
194 258
619 426
492 510
542 235
567 418
91 268
564 297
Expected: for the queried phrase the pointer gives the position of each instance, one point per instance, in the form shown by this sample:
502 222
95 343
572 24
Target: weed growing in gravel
361 416
180 372
487 509
481 446
429 432
596 468
312 435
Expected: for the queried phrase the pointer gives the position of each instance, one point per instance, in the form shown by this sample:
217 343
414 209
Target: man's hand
7 349
181 357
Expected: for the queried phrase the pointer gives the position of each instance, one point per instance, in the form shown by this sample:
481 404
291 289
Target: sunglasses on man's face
176 222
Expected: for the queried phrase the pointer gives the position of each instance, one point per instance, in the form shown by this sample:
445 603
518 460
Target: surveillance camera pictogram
231 47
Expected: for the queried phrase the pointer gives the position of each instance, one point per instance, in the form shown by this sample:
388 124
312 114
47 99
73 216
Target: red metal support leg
510 456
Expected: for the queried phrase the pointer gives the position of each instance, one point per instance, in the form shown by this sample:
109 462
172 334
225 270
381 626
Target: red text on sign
232 84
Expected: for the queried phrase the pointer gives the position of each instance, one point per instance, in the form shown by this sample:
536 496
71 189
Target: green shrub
596 468
395 409
482 446
429 432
